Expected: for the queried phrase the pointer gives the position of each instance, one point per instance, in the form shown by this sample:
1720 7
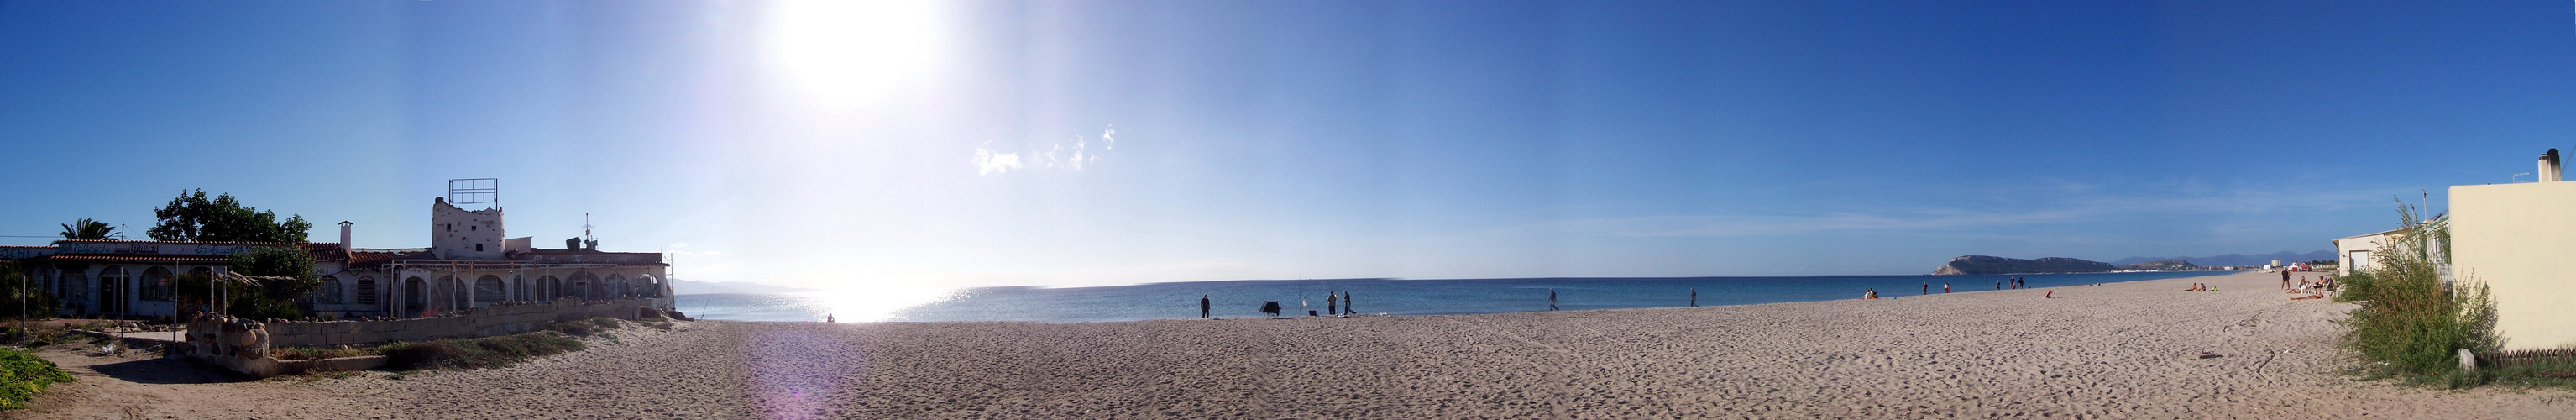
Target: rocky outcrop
2166 265
1982 264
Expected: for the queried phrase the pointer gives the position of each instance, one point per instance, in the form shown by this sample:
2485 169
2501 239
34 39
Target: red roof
140 258
110 241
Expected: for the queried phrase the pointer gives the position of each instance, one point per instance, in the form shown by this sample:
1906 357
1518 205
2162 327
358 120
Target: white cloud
989 162
1073 154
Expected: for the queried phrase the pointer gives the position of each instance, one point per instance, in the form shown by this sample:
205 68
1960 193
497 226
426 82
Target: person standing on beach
1346 305
1551 298
2285 279
1203 306
1927 287
1694 296
1945 288
1330 307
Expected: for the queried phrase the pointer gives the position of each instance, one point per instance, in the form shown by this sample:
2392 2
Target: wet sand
2128 350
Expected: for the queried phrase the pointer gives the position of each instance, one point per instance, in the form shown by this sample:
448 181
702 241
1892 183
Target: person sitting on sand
1872 293
2052 294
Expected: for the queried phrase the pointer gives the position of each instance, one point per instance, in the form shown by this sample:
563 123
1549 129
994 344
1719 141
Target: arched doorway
415 296
617 287
489 290
584 286
114 292
445 294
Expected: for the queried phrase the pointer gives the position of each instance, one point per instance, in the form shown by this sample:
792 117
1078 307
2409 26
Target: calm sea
1372 296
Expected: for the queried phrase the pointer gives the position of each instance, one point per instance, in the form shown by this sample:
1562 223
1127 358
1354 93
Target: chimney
344 234
2549 167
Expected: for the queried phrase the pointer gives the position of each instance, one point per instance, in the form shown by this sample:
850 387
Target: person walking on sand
1203 306
2285 279
1551 298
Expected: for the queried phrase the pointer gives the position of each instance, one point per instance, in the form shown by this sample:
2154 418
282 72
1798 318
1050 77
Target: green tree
292 278
87 229
19 292
193 217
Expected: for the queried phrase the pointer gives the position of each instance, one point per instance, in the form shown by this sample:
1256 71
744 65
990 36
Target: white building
469 263
2516 239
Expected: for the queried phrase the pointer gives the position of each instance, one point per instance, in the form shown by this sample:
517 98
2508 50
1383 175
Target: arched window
489 289
329 294
366 290
652 286
156 284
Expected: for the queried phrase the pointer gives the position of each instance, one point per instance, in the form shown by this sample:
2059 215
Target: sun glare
847 53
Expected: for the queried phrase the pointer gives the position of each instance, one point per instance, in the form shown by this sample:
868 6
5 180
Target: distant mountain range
1982 264
694 287
2286 257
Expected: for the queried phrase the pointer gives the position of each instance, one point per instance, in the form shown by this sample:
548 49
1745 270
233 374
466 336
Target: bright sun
849 52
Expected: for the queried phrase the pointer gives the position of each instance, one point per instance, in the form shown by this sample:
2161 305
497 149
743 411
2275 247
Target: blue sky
879 145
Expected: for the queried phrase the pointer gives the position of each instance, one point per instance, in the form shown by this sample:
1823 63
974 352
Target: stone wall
485 321
243 345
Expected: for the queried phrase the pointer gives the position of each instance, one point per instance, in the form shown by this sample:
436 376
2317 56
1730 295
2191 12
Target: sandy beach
2128 350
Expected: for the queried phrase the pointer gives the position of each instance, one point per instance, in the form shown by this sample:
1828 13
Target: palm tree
87 229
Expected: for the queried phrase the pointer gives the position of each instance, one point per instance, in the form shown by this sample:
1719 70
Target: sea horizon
1373 296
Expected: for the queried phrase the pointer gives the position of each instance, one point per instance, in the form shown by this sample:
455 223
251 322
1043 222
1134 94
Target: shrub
2410 325
576 329
22 375
478 353
308 353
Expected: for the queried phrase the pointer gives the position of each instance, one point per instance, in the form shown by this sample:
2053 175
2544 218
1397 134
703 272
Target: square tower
461 234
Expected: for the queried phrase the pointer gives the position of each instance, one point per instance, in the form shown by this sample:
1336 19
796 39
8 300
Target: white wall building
469 264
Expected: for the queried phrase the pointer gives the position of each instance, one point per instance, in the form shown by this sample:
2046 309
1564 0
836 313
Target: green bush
2410 325
22 375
